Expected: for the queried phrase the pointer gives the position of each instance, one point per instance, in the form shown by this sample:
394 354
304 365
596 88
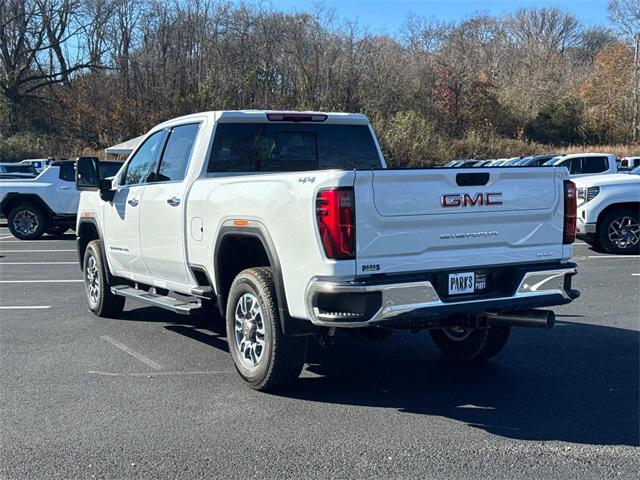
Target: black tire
101 301
56 230
609 221
470 345
281 358
18 219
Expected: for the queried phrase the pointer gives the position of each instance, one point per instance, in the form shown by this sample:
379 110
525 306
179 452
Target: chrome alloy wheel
457 334
25 222
624 232
92 281
249 330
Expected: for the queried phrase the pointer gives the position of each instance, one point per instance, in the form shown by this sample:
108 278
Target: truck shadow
577 383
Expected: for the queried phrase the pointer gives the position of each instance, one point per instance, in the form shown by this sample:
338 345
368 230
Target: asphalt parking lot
154 395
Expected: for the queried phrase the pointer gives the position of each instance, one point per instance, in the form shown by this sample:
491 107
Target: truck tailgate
432 219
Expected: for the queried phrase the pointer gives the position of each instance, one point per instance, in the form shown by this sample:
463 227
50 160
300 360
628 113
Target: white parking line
41 242
38 263
40 281
34 251
196 372
26 307
133 353
612 256
635 274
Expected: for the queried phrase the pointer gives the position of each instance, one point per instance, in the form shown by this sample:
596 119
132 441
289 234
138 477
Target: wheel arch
14 198
615 206
256 241
89 230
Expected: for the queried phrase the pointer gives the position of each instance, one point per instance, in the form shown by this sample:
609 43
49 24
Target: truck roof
261 116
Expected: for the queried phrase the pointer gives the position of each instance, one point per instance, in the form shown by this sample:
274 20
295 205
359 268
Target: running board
168 303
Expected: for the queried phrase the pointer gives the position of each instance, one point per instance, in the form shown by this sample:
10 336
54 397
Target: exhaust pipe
528 318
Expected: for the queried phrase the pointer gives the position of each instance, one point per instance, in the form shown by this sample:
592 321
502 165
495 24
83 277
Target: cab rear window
289 147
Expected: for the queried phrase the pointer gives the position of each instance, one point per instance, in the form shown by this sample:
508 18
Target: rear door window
177 152
266 147
67 172
594 164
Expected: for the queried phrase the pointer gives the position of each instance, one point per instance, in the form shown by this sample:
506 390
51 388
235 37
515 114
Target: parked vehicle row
47 203
578 164
290 225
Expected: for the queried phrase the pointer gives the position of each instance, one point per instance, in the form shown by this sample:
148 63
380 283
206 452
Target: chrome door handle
133 202
173 201
65 188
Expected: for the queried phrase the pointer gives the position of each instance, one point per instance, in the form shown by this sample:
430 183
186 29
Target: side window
233 147
67 172
594 165
177 153
574 165
142 163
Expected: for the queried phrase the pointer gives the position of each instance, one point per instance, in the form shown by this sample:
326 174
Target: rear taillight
335 211
569 231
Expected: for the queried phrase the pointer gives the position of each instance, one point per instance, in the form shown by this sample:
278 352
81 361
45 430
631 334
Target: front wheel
470 345
27 221
619 231
96 283
263 356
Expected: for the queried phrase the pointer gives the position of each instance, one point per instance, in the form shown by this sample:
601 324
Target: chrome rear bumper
537 288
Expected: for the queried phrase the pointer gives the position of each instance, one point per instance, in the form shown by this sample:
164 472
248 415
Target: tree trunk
635 127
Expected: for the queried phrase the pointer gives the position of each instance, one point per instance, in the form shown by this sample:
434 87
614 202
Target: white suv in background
580 164
629 163
608 211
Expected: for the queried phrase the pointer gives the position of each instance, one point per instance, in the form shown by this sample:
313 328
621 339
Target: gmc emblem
467 200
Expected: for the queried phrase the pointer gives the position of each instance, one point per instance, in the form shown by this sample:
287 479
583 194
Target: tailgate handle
472 179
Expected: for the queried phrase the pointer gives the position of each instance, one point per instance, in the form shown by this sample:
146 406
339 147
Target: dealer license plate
461 283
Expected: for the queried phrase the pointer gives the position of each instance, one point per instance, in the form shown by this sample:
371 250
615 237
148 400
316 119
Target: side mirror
88 178
87 174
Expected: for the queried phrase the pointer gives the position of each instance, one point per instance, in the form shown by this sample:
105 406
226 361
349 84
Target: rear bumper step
334 304
175 305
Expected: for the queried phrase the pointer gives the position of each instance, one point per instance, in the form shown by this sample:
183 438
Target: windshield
552 161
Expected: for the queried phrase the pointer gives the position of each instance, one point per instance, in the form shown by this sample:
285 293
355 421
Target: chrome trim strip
399 298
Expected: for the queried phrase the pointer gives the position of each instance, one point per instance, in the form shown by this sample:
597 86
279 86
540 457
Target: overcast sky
389 15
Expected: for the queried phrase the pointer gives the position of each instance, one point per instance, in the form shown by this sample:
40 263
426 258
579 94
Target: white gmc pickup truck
291 224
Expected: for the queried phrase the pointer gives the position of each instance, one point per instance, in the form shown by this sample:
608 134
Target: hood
607 179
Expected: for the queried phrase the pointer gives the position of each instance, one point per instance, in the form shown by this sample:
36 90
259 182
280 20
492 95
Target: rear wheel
469 345
27 221
263 356
96 284
619 231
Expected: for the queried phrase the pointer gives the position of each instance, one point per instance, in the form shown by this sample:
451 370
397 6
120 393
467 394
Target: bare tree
33 39
626 15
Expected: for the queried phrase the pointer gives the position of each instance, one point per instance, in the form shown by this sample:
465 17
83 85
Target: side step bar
182 307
